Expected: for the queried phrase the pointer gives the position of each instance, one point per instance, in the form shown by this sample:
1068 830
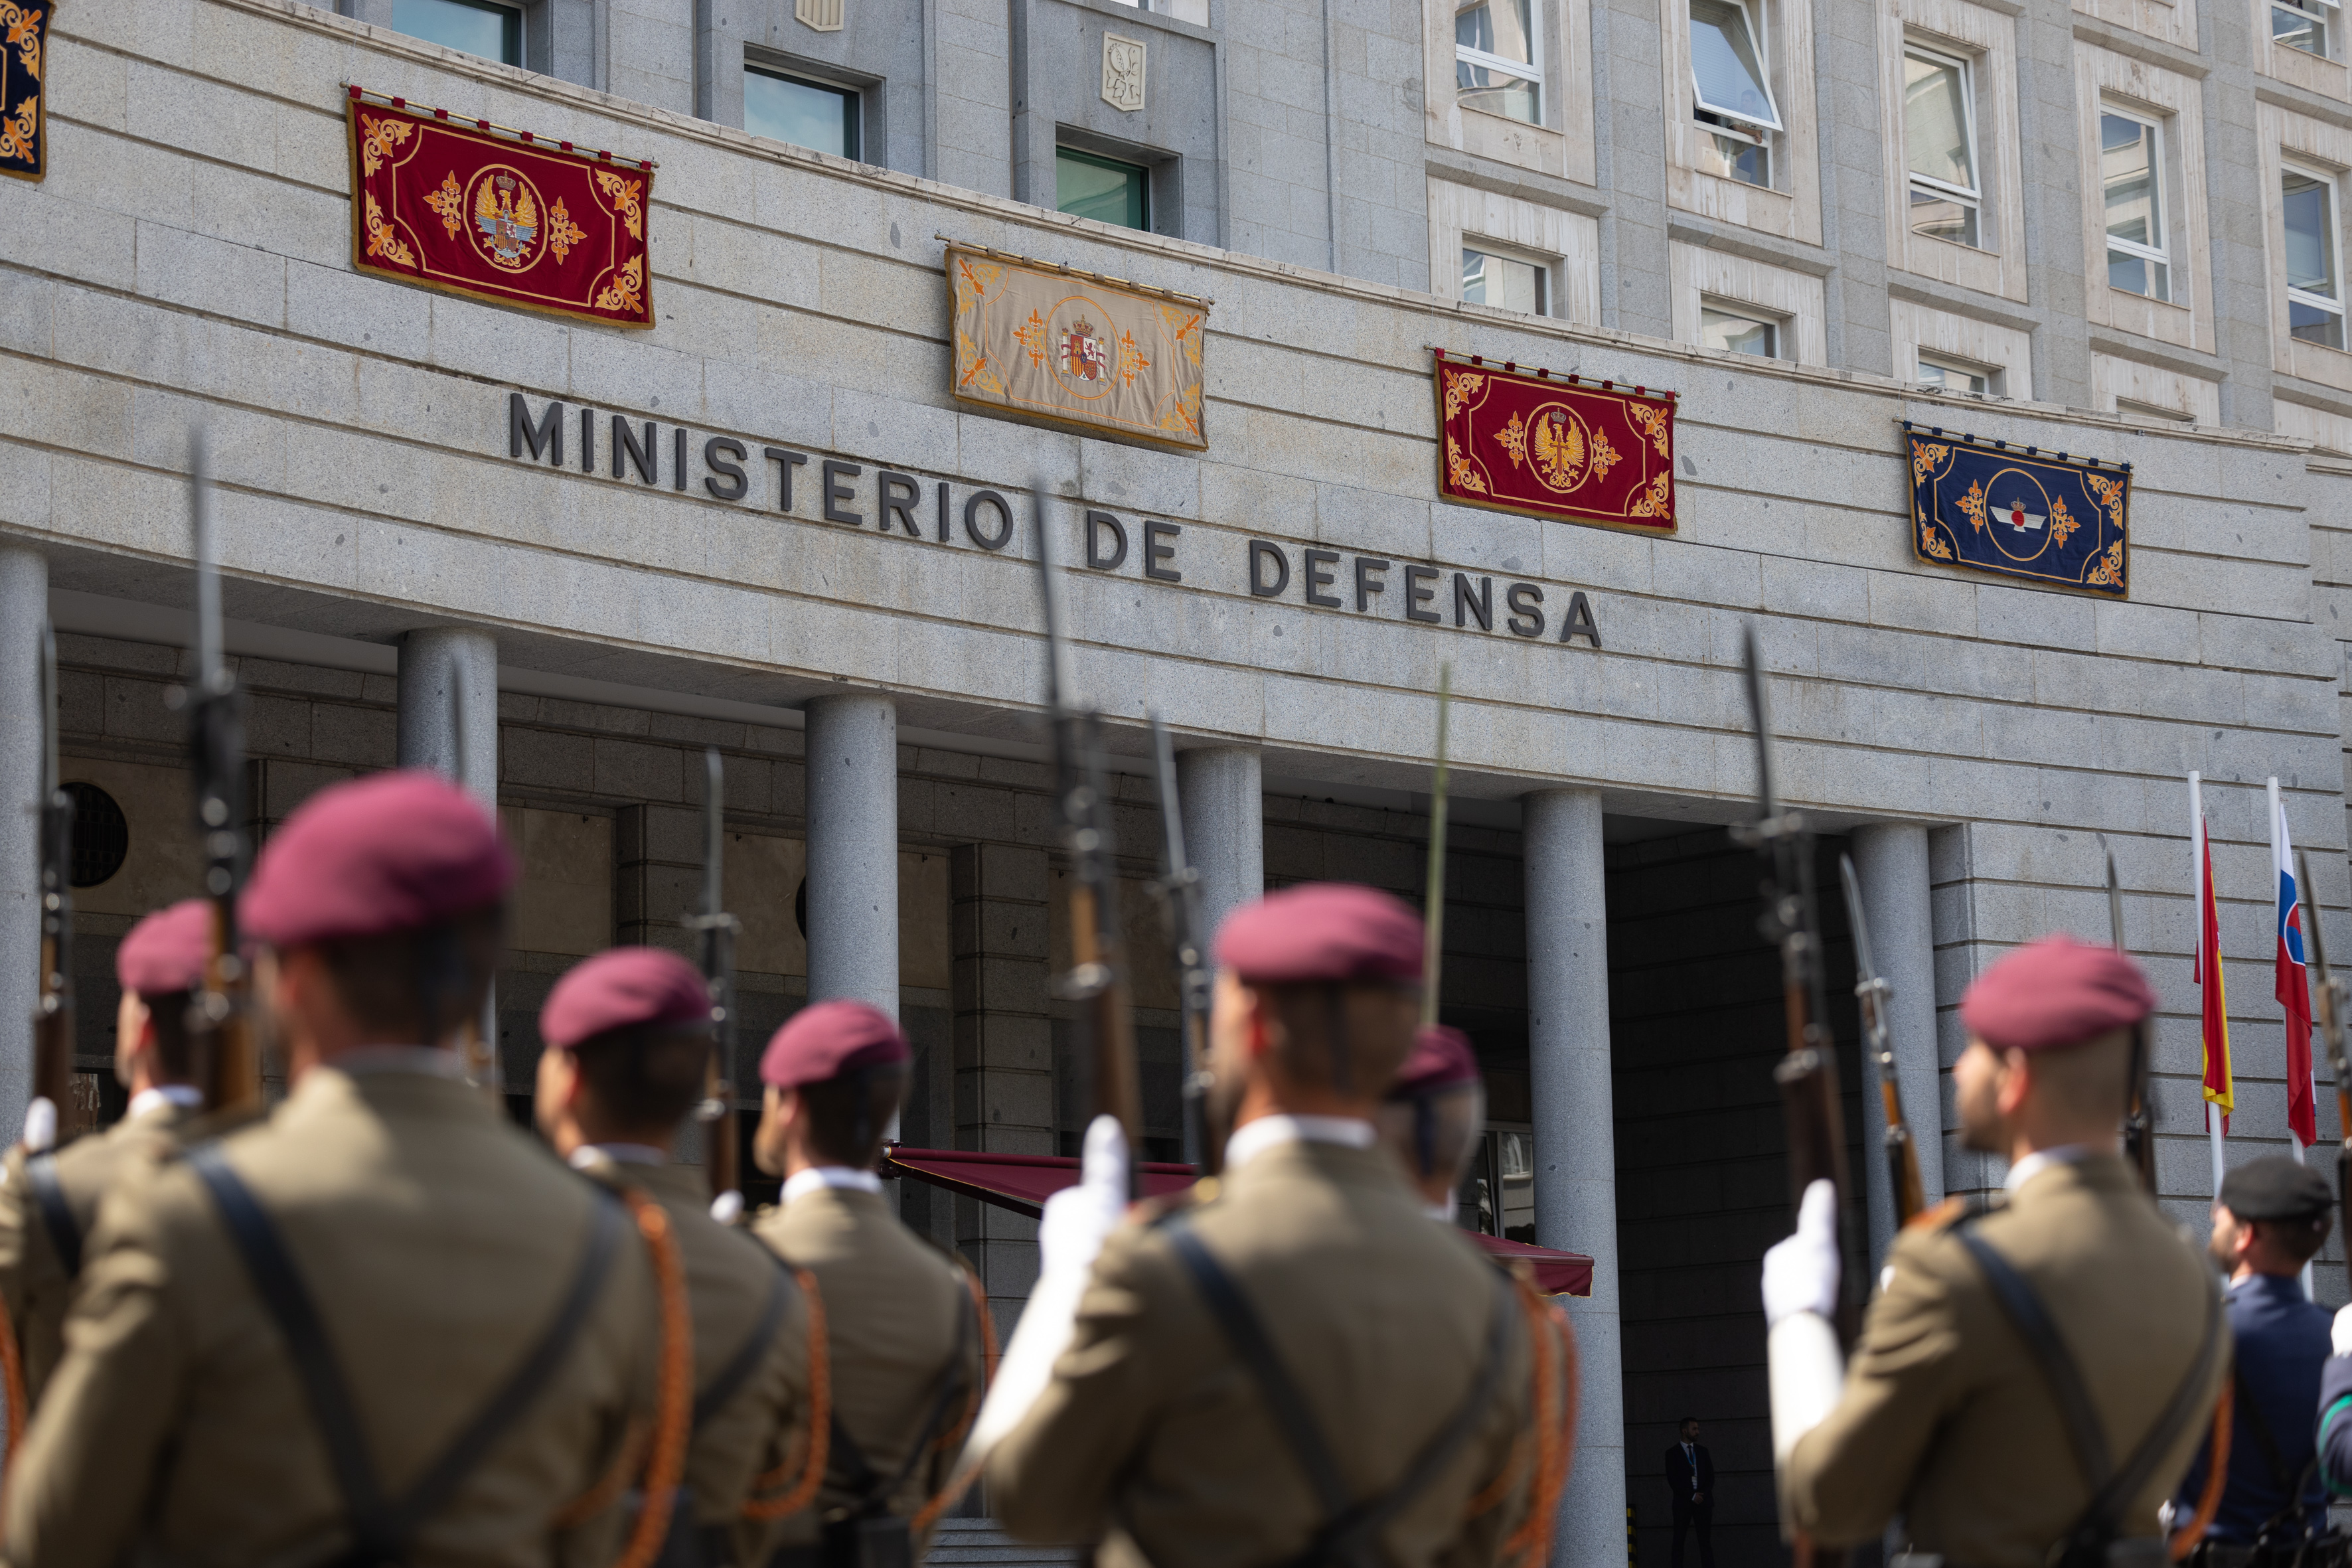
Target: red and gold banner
1560 447
475 209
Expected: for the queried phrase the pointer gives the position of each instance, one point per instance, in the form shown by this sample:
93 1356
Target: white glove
1077 1222
2342 1334
727 1207
40 1125
1800 1271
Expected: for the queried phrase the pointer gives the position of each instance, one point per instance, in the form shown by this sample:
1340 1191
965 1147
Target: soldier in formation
1435 1116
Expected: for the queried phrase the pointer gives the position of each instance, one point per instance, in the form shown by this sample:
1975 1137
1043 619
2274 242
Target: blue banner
2017 510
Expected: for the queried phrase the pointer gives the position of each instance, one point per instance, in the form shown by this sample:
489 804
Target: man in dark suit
1690 1477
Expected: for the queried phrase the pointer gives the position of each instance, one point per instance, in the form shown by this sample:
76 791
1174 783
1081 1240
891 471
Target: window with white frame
1731 88
2131 177
2314 281
1939 142
1734 331
1497 65
1956 375
2303 25
1492 278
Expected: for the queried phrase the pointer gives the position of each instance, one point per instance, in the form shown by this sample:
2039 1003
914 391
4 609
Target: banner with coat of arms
476 209
1032 338
24 114
1994 506
1556 447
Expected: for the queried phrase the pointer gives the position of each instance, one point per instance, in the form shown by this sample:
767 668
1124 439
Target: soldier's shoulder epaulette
211 1125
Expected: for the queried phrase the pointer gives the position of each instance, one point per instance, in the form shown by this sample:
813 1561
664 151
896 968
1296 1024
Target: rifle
1179 890
222 1051
2139 1131
1432 953
53 1020
2330 992
1874 992
718 929
1097 977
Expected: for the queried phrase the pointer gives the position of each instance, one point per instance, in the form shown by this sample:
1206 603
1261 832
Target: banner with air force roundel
2021 511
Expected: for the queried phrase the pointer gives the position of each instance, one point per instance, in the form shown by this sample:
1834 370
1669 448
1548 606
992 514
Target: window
2302 24
1494 63
2315 295
2131 171
1505 281
1731 92
1736 333
1939 142
2126 407
1102 188
477 26
1955 375
809 114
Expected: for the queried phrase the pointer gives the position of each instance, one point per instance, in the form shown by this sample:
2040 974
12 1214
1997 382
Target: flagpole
2209 964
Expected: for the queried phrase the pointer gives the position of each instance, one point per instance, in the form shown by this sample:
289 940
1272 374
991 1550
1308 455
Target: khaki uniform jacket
729 1281
33 1279
1153 1438
891 1305
436 1242
1947 1417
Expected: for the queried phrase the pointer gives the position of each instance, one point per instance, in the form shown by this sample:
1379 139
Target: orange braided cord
819 1411
673 1407
608 1485
1555 1397
957 1484
12 1387
2184 1540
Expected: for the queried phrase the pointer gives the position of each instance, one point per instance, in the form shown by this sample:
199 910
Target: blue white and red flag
2294 983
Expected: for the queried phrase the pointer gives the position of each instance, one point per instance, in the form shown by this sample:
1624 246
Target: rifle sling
747 1357
381 1528
56 1214
870 1493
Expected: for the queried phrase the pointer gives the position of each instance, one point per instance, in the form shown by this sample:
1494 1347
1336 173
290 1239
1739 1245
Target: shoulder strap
2262 1431
858 1477
747 1357
380 1528
56 1214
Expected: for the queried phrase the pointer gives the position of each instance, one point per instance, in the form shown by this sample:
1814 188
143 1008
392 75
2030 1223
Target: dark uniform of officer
48 1200
628 1046
384 1323
902 1321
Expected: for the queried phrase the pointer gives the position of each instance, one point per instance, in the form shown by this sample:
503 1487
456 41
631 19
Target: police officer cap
623 988
167 950
1322 933
2055 993
388 853
2275 1188
1441 1060
829 1039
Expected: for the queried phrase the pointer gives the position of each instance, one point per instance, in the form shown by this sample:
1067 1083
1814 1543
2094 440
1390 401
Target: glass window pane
2298 29
1483 88
2314 325
1503 280
1726 66
1735 158
1952 377
2310 233
1503 28
493 31
1102 189
2127 171
1936 122
1943 218
1740 334
805 113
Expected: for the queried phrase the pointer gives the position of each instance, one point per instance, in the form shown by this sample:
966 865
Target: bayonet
2139 1131
1874 994
227 1066
1179 890
2330 995
52 1019
717 931
1433 909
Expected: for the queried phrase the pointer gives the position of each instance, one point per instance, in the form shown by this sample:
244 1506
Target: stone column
24 606
1223 801
852 849
1576 1149
1891 861
448 722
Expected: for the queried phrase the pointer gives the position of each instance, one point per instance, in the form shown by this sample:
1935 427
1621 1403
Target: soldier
383 1325
1434 1115
2056 1358
628 1042
48 1201
1217 1401
903 1322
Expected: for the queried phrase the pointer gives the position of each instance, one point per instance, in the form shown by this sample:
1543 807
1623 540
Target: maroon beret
391 852
830 1038
623 988
1441 1060
167 950
2055 993
1322 932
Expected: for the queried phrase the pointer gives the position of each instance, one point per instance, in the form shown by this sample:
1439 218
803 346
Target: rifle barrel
1433 913
1179 894
722 1154
53 1018
227 1060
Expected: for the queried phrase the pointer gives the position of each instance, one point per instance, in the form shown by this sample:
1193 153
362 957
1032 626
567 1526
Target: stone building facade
388 539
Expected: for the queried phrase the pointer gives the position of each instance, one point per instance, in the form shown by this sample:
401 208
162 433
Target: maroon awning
1022 1183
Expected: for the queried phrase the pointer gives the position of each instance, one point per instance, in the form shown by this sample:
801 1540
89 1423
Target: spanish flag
2220 1085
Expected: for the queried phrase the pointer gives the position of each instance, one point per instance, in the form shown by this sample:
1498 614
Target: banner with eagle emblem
1557 446
473 208
1109 356
2019 512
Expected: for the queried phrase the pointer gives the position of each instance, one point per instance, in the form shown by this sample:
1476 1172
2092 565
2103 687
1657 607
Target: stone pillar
853 850
448 722
1576 1150
1223 801
1891 861
24 608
